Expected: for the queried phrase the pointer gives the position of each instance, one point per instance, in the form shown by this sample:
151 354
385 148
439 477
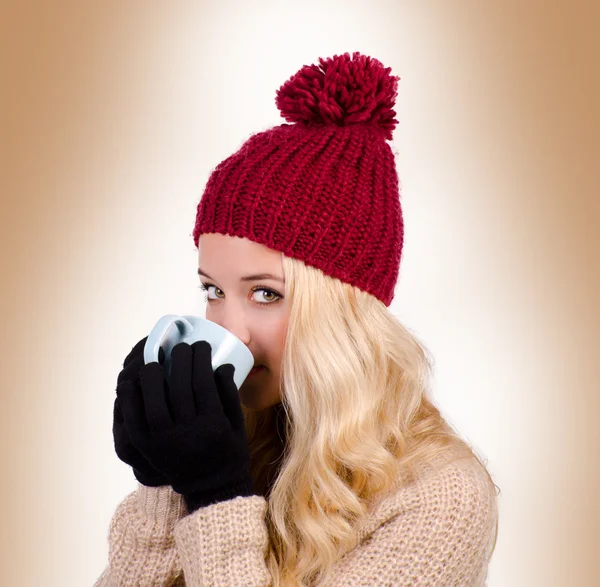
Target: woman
330 465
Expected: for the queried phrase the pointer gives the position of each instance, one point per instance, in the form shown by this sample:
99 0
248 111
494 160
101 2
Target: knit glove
144 472
192 427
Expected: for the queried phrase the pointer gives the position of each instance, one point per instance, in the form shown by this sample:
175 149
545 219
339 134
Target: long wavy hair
355 412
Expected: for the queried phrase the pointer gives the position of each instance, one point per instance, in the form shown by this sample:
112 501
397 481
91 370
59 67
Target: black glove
144 472
191 428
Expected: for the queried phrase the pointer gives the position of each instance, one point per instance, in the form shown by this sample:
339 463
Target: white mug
226 347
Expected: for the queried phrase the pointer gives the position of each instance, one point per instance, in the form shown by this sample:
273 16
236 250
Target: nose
235 322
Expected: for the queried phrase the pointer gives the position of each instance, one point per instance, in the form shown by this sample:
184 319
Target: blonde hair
356 411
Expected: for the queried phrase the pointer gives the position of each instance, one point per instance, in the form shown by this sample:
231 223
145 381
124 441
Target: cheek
278 331
272 339
272 328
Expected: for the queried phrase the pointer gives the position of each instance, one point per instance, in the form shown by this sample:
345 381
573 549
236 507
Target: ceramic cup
172 329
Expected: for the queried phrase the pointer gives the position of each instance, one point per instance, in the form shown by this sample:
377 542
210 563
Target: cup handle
159 336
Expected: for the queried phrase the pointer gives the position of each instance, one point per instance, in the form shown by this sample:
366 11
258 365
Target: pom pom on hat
341 90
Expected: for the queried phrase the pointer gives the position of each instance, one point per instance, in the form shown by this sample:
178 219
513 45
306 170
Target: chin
253 398
255 403
255 393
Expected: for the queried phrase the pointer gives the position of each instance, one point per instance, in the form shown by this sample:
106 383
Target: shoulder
452 496
437 529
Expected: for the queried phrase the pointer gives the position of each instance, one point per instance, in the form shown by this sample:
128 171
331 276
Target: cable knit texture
437 531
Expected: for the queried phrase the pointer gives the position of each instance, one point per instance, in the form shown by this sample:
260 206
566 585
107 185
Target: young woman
330 465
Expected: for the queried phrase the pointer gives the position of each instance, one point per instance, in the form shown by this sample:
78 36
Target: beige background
113 115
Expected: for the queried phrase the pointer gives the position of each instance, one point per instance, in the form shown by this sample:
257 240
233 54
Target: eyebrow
255 277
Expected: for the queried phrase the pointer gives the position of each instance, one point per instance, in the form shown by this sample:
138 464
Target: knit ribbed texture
328 197
225 543
142 549
325 189
437 531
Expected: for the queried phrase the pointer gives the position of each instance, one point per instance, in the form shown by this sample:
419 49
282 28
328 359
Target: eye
267 292
206 288
270 295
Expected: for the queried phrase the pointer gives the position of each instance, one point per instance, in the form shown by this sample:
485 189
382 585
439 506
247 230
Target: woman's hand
144 472
191 428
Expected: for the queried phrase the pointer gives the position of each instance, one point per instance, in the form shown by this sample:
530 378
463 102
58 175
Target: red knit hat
323 189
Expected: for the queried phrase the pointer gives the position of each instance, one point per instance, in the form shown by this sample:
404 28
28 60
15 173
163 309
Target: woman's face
252 309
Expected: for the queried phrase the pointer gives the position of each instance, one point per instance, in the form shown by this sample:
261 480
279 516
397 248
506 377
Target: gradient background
113 115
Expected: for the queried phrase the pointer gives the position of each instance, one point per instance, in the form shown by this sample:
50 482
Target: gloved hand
191 428
144 472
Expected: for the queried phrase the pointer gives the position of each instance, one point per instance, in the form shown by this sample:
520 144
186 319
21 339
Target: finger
154 391
138 349
181 393
203 379
120 437
132 370
127 452
117 412
230 398
132 409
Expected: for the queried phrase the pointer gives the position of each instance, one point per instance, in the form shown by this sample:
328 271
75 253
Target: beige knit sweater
437 531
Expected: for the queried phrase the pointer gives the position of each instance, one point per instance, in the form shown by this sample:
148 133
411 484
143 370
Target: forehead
214 249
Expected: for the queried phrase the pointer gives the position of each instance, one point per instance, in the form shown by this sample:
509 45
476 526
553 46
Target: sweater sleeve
225 543
141 549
